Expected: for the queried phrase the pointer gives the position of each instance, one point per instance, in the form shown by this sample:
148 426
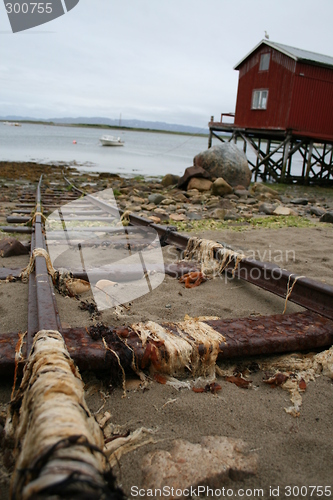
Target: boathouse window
264 62
259 99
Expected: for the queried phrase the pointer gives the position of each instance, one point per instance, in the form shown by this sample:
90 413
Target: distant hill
171 127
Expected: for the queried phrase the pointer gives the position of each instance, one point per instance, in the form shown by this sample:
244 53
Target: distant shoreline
105 127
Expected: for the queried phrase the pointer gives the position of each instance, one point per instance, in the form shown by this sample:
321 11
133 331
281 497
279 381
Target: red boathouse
285 98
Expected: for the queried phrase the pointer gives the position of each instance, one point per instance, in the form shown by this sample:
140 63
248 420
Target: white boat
12 124
110 140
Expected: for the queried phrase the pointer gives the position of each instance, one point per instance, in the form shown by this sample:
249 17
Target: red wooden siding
300 95
278 81
312 101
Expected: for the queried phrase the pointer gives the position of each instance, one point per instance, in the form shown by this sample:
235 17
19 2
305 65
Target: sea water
144 153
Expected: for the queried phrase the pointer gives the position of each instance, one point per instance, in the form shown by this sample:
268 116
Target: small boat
12 124
110 140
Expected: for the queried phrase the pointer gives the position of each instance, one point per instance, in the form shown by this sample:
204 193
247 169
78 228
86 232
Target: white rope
38 252
203 251
290 289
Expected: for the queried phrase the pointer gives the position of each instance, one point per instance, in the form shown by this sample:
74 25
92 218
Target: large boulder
226 161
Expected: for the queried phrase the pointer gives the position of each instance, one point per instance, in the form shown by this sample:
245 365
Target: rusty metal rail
76 467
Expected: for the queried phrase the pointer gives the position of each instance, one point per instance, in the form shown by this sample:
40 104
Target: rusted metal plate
244 337
8 342
273 334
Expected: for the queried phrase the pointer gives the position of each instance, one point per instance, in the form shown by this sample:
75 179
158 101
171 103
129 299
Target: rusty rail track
306 292
247 336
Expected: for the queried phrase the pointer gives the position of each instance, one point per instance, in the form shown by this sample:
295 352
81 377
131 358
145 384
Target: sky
156 60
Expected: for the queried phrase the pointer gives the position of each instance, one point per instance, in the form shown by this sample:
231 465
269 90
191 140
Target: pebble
194 216
156 220
267 208
167 201
251 201
299 201
178 217
156 198
148 207
137 199
241 193
219 213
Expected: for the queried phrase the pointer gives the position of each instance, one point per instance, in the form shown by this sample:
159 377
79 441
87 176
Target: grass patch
270 222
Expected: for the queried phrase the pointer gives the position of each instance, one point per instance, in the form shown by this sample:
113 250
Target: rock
197 200
247 215
199 184
317 211
212 204
167 201
180 197
267 208
194 216
134 208
137 199
223 203
154 186
11 246
148 207
169 180
191 193
280 210
155 219
155 198
299 201
220 187
211 463
192 172
218 213
259 188
231 197
327 217
160 211
241 193
231 216
108 175
250 201
178 217
226 161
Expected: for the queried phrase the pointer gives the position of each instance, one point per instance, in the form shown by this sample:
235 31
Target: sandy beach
291 451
